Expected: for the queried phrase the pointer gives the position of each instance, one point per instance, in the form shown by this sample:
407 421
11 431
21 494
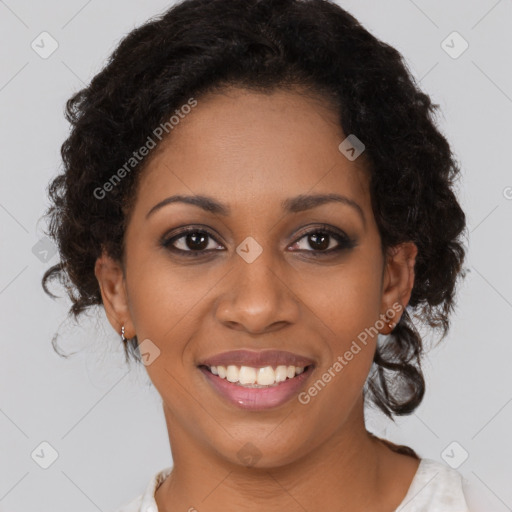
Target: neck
346 472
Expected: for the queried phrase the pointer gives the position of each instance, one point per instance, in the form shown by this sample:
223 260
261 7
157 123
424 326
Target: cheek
163 305
347 298
350 313
161 294
346 305
166 297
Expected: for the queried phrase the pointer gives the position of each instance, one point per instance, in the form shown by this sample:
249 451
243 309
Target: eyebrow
290 205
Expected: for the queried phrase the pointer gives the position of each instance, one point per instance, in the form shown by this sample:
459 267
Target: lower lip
257 399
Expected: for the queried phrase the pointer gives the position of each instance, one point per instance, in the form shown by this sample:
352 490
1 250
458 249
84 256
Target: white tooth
281 373
232 373
247 375
266 376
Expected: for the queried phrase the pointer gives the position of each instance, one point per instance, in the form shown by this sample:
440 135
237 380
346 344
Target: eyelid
167 240
320 227
344 241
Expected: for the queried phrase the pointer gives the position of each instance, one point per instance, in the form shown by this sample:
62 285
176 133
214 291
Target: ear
110 276
398 282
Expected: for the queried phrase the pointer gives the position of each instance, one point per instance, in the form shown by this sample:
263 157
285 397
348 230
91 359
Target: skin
250 151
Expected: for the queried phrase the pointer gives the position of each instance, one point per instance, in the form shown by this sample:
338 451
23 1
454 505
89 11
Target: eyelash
343 240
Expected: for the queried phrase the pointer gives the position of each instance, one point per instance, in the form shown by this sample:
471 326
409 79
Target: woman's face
262 270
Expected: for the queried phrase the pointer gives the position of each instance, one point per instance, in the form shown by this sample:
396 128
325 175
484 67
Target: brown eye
325 240
319 241
191 241
196 241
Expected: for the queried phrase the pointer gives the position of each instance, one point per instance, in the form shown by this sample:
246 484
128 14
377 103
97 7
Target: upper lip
257 359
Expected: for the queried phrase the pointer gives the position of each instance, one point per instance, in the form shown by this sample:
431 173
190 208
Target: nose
258 297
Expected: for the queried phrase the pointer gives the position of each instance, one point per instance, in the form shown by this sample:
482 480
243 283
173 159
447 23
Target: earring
124 340
391 325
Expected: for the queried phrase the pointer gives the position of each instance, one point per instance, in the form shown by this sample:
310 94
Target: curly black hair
202 46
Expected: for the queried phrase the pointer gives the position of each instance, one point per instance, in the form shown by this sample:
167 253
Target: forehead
243 147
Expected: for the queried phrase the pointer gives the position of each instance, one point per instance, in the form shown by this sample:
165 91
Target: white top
435 487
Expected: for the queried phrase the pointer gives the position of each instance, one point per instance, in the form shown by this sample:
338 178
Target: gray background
106 423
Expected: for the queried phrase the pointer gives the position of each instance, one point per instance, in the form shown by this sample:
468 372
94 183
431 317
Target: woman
255 191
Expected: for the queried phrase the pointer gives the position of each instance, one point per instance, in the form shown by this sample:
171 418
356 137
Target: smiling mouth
251 377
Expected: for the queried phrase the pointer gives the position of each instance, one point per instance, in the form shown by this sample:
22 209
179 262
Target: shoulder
145 502
435 488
